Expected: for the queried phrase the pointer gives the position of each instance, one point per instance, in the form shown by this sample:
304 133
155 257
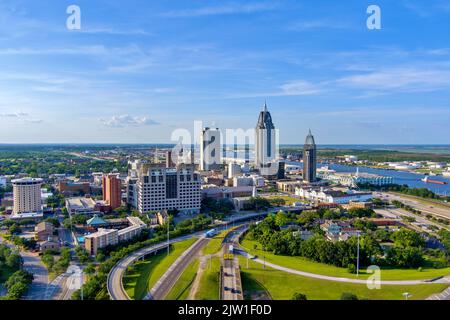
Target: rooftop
95 221
81 203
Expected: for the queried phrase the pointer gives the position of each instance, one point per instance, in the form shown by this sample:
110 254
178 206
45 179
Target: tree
49 260
17 284
349 296
299 296
14 229
67 223
100 257
407 238
53 221
14 261
82 254
351 268
281 218
90 269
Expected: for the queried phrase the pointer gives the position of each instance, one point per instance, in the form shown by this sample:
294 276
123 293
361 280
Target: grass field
288 200
214 245
208 288
209 282
180 290
281 286
303 264
145 274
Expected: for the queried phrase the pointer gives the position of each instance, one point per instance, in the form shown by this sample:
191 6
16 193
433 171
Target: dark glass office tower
309 159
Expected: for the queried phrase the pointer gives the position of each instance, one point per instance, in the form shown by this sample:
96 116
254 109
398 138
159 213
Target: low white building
332 196
351 158
252 180
352 180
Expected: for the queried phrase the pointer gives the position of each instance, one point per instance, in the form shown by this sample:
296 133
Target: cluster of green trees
16 281
199 222
25 243
10 260
40 163
381 155
58 265
82 255
257 204
17 284
407 248
56 201
317 248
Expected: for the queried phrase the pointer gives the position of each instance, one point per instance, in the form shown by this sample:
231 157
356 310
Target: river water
412 180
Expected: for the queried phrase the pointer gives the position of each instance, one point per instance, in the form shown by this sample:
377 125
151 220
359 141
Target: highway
430 208
171 276
115 276
231 285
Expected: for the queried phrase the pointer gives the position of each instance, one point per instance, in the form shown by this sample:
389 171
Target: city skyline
133 74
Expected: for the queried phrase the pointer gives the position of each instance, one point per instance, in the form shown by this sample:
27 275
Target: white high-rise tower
210 149
27 195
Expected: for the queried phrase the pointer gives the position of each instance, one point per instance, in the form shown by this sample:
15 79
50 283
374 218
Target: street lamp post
357 259
168 242
82 280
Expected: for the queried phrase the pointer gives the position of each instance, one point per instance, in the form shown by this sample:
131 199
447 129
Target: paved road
65 235
114 282
38 289
427 208
231 285
444 295
348 280
171 276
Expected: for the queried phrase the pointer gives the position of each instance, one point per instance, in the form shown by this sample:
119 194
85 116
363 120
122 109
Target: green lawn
303 264
209 282
281 286
288 200
144 274
215 244
180 290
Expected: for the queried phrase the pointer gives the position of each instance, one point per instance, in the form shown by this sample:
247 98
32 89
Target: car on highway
226 288
235 291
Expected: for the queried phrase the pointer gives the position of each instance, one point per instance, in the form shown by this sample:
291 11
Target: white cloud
299 88
315 24
400 80
13 115
126 120
115 31
229 8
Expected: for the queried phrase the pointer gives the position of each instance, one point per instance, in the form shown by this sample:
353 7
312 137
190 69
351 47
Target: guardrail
221 283
239 282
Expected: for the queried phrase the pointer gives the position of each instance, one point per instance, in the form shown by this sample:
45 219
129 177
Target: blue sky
137 70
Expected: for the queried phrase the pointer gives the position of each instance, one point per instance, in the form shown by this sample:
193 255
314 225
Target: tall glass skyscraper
309 159
265 144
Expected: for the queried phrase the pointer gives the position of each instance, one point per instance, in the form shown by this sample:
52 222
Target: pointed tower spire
265 105
310 132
